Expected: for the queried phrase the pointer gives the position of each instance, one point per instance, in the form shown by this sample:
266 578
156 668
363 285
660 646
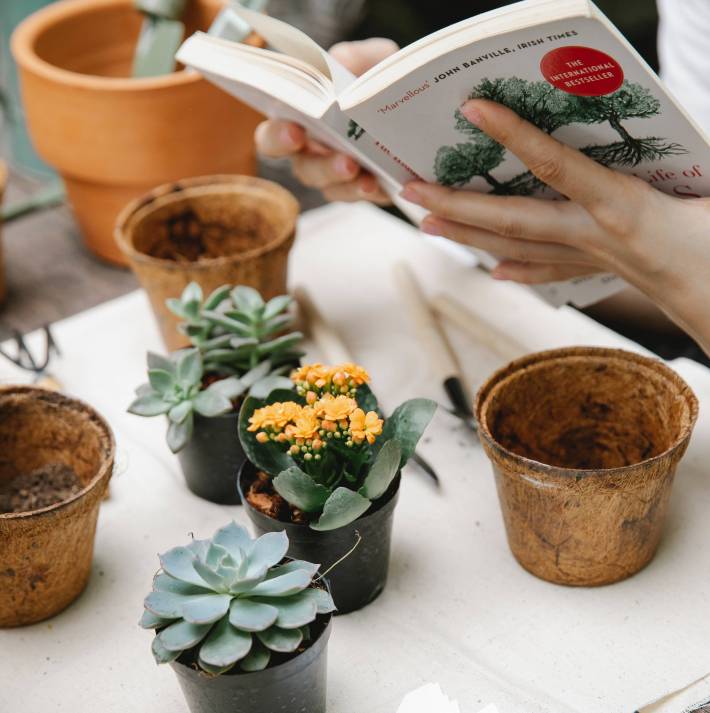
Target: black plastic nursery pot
212 459
295 686
361 577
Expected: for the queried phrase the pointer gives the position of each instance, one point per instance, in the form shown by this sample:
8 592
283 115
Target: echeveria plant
327 447
232 600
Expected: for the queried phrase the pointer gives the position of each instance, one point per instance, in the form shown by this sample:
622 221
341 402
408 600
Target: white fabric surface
458 610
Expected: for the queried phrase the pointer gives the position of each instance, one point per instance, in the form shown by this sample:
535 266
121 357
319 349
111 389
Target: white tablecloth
458 609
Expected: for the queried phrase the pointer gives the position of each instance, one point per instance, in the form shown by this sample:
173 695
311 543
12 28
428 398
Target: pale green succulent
234 330
232 600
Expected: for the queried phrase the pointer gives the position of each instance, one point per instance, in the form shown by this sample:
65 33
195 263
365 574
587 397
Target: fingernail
472 112
287 136
344 165
411 194
431 226
368 185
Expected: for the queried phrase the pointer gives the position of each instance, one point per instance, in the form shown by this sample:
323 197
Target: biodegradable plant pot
113 137
213 458
3 185
584 444
249 223
295 686
361 577
46 554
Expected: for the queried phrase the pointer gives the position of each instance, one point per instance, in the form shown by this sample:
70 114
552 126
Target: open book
558 63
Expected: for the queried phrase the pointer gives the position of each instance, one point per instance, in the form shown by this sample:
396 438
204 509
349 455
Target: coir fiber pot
213 230
213 458
584 444
295 686
45 555
113 137
361 577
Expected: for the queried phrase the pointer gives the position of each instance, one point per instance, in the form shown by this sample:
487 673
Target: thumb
360 56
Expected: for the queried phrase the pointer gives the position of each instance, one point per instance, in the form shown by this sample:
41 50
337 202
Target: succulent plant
232 600
235 330
174 388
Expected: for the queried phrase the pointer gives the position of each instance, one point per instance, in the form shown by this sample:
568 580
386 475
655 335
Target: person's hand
611 222
338 176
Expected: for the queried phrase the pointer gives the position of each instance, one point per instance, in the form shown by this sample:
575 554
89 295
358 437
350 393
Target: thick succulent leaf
230 387
407 424
256 374
222 320
244 319
323 600
176 307
283 586
269 459
306 631
150 404
234 538
215 581
217 297
383 471
180 412
277 324
295 611
225 645
211 403
158 361
149 620
178 563
161 380
191 294
342 507
214 670
300 490
182 635
294 565
257 659
262 388
367 401
165 604
216 342
199 547
276 305
206 609
165 583
161 654
189 366
247 299
238 343
267 551
281 640
215 554
252 616
280 343
179 434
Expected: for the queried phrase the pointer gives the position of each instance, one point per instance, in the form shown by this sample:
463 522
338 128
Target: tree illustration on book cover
550 109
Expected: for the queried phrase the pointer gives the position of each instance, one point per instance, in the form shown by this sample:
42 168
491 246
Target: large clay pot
213 230
584 444
45 554
113 137
3 184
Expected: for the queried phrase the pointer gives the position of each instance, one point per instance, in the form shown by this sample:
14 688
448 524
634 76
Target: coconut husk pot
113 137
3 185
213 230
584 444
46 554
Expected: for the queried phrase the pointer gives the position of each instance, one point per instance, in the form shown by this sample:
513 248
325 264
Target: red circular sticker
582 71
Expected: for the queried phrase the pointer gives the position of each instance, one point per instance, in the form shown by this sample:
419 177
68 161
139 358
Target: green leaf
247 299
161 654
257 659
342 507
280 343
367 401
277 324
249 615
282 586
225 645
407 424
216 582
234 538
182 635
178 563
163 582
292 566
217 297
261 389
165 604
293 612
179 434
276 305
230 387
206 609
221 320
189 367
150 404
281 640
180 412
323 599
267 457
191 293
157 361
211 402
382 471
160 380
300 490
149 620
266 552
176 307
256 374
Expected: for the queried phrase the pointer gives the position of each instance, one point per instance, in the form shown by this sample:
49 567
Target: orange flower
335 408
365 426
274 416
305 425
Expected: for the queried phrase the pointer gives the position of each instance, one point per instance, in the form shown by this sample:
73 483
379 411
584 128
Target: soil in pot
293 682
44 486
360 577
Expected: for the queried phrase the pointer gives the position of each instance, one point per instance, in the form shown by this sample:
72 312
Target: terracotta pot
3 184
249 223
113 137
584 444
45 555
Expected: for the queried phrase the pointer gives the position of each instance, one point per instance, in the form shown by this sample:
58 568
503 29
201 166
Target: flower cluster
314 380
307 429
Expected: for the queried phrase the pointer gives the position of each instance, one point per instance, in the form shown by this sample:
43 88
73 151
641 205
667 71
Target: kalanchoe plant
235 330
325 443
232 600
